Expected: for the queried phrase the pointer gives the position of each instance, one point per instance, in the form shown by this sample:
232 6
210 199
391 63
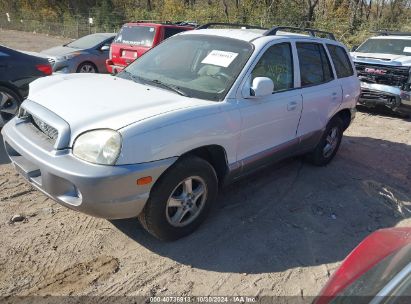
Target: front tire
329 143
87 67
180 200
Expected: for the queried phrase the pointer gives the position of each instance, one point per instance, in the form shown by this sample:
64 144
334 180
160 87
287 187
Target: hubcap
8 107
87 68
186 201
331 142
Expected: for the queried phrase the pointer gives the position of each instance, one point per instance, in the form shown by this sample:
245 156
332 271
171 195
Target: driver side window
277 64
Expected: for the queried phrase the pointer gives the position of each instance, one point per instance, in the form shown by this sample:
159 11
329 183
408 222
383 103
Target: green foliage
350 20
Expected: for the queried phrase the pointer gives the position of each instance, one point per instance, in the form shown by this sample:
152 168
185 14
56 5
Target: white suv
202 109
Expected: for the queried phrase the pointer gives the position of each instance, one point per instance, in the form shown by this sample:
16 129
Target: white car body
158 126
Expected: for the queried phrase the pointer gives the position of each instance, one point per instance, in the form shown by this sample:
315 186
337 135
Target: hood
94 101
377 58
59 51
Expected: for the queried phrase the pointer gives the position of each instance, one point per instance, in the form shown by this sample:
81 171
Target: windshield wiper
157 82
169 86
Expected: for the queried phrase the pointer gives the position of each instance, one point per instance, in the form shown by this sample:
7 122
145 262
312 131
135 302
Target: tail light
46 69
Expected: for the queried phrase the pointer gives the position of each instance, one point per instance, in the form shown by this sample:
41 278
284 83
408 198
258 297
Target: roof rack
391 33
312 32
245 26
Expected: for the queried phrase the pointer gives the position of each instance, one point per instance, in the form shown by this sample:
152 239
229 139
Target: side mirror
262 86
105 48
354 48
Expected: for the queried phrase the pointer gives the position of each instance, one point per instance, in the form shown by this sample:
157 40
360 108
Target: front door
269 124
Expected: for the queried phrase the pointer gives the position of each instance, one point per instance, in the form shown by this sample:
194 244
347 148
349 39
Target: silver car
85 55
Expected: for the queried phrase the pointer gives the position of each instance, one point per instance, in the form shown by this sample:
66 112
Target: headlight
99 146
67 57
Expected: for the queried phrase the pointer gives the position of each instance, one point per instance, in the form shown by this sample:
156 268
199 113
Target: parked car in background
85 55
200 110
17 70
383 65
136 38
378 270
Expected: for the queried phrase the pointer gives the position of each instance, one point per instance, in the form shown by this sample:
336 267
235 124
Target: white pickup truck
383 65
202 109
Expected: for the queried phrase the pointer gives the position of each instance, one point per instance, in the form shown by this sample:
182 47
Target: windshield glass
87 42
197 65
136 35
386 46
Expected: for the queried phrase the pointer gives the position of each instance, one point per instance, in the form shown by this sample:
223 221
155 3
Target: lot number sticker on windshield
220 58
407 49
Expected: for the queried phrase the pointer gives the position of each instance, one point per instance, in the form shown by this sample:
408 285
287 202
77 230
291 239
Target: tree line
351 20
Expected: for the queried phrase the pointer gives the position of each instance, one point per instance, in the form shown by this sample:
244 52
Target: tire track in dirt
130 285
76 278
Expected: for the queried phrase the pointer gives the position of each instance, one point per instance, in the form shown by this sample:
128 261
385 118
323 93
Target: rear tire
180 200
329 143
9 104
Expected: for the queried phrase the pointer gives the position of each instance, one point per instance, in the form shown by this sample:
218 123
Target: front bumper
392 97
109 192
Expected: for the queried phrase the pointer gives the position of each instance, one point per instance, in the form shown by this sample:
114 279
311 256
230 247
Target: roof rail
312 32
391 33
246 26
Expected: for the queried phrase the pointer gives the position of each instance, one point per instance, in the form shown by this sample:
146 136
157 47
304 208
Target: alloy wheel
87 68
331 142
186 201
8 107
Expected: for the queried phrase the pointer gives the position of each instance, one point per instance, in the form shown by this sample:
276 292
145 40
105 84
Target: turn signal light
144 180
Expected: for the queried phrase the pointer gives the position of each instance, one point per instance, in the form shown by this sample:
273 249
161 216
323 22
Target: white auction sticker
407 49
220 58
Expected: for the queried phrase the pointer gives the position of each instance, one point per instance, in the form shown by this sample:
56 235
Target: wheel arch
216 155
345 115
12 88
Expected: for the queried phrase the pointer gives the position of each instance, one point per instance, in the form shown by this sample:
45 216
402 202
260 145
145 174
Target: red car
376 271
136 38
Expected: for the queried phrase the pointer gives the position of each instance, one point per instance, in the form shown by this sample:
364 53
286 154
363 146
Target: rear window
136 35
315 67
341 61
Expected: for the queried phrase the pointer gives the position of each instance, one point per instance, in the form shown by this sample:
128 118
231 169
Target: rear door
345 73
321 90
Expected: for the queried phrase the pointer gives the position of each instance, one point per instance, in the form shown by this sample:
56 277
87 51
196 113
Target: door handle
292 106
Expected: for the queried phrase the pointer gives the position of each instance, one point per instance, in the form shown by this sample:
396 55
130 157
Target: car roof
153 24
108 35
391 37
249 35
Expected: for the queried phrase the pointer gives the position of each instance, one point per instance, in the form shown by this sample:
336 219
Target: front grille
50 132
397 76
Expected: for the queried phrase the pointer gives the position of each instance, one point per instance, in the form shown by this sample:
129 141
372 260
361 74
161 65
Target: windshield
136 35
87 42
386 46
197 65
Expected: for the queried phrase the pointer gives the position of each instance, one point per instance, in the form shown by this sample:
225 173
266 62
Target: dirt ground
281 232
